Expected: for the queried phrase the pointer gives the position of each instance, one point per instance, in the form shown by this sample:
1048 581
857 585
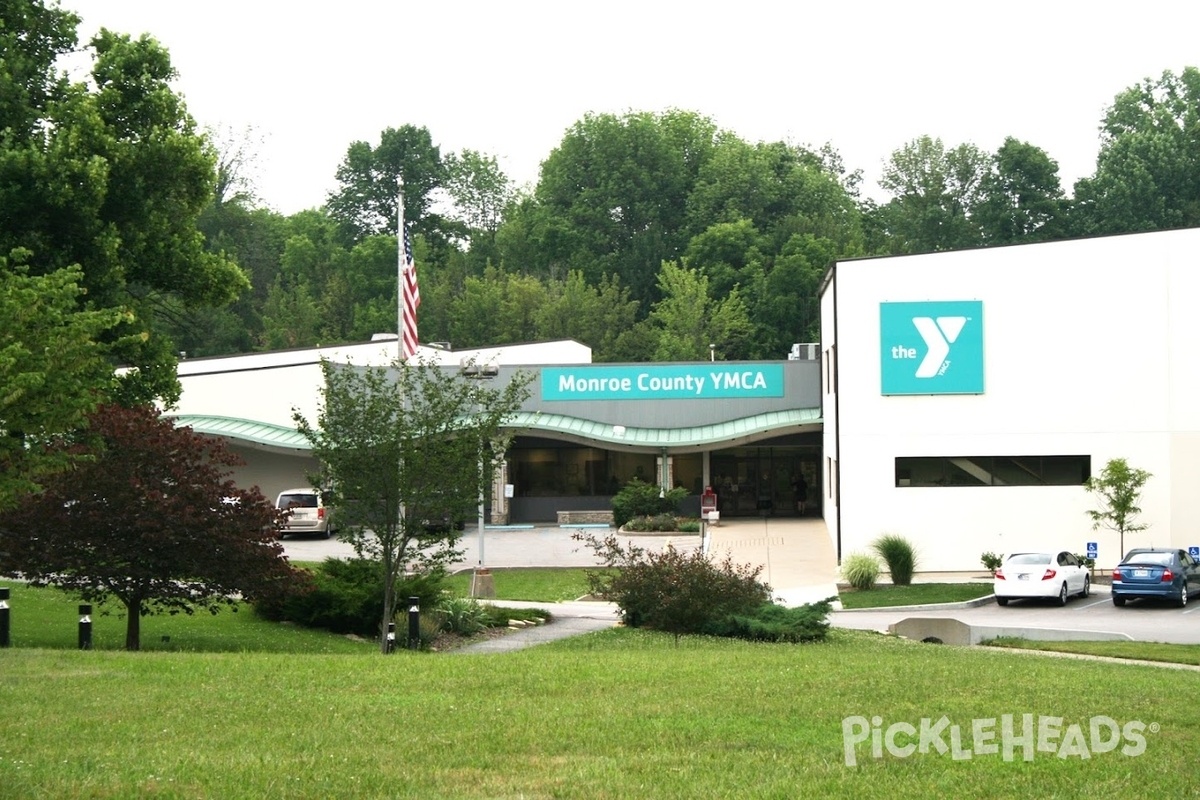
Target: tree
934 194
149 516
481 192
403 445
1118 489
52 372
111 175
612 197
688 320
1021 200
364 204
1148 169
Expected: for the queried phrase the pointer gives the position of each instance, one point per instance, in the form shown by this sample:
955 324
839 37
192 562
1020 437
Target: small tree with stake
1118 489
401 447
148 516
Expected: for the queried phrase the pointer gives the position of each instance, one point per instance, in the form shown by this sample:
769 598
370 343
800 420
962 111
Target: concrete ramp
947 630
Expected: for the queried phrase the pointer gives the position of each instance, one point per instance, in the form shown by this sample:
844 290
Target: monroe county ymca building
958 399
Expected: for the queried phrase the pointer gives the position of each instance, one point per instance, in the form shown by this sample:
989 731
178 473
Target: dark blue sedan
1157 572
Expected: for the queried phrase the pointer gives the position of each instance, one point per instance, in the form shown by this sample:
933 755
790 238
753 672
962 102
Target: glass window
993 470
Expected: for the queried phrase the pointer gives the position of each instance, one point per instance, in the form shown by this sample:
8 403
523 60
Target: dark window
993 470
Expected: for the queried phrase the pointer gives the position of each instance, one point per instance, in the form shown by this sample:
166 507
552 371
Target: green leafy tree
594 315
148 516
364 204
1021 199
403 445
1148 169
1118 490
109 174
52 372
688 320
935 192
481 192
612 197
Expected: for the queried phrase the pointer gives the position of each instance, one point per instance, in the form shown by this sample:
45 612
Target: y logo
916 341
938 334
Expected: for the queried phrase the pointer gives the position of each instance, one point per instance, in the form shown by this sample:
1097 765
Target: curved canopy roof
557 426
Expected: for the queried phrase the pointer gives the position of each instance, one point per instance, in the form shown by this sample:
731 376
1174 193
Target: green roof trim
246 430
738 431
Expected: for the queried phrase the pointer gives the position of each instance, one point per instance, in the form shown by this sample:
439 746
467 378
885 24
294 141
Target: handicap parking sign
1093 548
1194 551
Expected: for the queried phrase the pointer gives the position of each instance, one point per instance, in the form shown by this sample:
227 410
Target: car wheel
1183 598
1118 601
1062 595
1087 586
1001 601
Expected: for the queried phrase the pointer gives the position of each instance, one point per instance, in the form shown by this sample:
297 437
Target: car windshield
298 501
1029 558
1157 559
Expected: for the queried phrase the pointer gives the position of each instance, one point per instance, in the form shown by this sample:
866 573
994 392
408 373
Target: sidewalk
796 554
568 619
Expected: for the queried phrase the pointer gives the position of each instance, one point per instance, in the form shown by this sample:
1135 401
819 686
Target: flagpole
400 270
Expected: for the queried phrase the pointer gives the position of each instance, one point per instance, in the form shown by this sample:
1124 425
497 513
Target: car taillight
1000 575
1168 576
1116 576
1048 575
320 513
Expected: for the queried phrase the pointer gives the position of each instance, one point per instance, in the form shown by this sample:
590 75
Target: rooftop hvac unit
804 352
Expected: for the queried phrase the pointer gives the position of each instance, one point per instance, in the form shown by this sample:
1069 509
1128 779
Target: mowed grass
537 584
50 618
618 714
916 594
277 711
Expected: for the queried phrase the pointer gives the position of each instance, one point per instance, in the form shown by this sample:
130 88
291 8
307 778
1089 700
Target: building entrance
762 481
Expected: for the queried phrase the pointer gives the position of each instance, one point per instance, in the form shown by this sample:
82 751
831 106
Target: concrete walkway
568 619
797 555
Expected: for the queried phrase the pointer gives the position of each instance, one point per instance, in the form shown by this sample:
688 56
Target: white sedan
1056 575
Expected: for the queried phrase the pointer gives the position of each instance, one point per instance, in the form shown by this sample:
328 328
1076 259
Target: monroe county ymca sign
662 382
931 348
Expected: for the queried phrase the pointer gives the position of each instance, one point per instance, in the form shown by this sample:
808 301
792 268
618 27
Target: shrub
640 499
462 615
659 522
861 570
347 594
671 591
900 557
991 561
689 525
773 623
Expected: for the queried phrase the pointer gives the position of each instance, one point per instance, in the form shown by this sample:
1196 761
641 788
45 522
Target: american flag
410 298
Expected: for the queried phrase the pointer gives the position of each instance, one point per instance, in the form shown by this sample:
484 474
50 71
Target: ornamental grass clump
860 570
899 555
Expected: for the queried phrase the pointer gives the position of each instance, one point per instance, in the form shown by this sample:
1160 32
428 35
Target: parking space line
1190 610
1093 603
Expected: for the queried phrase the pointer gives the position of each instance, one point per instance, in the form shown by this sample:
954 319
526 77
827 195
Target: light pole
482 583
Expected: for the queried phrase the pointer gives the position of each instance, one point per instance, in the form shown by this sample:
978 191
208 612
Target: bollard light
85 626
4 620
391 637
414 623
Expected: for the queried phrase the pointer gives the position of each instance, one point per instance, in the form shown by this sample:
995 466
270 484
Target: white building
967 395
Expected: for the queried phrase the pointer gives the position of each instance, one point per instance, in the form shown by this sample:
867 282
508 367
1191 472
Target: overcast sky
508 78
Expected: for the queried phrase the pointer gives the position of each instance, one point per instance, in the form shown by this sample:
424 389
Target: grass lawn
1146 651
916 594
537 584
618 714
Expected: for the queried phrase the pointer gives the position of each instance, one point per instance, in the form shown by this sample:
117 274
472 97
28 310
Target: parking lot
1139 620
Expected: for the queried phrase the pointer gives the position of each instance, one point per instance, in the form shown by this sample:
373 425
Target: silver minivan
309 514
